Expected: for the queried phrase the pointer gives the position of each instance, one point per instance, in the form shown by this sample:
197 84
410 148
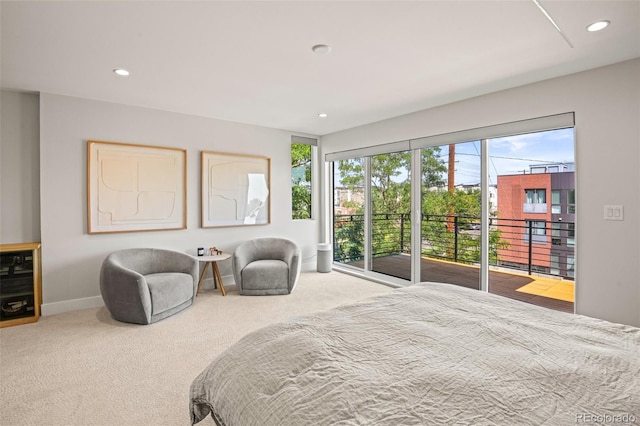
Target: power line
516 158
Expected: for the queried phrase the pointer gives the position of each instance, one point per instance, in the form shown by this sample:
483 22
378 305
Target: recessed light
321 48
597 26
121 72
323 115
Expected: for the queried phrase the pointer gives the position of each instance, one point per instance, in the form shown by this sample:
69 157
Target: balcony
534 208
520 268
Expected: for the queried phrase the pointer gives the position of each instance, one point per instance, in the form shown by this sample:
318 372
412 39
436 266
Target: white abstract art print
235 190
135 188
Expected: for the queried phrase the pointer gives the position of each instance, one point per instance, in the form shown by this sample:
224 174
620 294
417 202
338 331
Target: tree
462 244
391 177
300 181
348 238
390 197
391 205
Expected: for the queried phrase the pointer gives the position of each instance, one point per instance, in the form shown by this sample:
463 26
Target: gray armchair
266 266
145 285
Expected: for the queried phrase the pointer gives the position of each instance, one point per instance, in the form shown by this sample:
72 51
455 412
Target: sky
509 155
512 155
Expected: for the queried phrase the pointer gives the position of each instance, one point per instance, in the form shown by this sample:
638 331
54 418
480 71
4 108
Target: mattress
428 354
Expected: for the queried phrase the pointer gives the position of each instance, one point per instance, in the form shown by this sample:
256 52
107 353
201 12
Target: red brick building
536 214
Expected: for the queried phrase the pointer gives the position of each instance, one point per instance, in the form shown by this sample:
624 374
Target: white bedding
426 354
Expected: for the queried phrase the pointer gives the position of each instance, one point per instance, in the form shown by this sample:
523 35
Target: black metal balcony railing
533 246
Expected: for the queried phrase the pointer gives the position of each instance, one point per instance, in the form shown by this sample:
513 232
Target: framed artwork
235 190
135 187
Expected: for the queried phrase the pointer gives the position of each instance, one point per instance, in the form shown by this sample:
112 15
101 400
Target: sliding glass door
371 210
533 254
349 212
451 214
390 214
469 208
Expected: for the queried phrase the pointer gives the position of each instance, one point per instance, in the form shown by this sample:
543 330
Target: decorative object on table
266 266
135 187
213 251
146 285
200 251
235 190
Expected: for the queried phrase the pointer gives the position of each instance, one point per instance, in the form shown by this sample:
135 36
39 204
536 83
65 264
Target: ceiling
251 62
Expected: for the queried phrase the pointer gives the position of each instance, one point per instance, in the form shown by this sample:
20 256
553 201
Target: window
571 234
554 268
535 201
535 196
301 173
571 201
571 265
555 202
539 227
556 239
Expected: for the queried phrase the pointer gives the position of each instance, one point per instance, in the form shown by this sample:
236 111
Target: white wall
606 102
71 258
19 162
607 106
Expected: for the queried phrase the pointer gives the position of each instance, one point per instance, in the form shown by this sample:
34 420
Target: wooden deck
500 283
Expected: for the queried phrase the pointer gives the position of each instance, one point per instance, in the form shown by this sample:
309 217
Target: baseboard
70 305
96 301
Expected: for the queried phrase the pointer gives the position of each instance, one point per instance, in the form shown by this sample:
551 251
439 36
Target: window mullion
484 215
367 214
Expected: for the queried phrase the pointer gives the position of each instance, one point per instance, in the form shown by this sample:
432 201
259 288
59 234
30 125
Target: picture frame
235 190
134 187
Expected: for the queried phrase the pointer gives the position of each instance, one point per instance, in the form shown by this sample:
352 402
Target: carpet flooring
84 368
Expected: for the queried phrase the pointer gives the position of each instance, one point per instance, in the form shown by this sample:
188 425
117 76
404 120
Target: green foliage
433 168
390 198
391 233
300 181
351 173
496 242
465 246
349 237
391 177
300 202
301 157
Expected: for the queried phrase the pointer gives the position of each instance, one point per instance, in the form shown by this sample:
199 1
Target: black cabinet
20 283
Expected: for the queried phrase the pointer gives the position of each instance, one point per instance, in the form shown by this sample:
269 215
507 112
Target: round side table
215 272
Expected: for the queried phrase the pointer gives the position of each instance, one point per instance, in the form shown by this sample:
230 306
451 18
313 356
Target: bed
426 354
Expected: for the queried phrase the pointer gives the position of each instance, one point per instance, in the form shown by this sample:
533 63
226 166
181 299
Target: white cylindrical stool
324 257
